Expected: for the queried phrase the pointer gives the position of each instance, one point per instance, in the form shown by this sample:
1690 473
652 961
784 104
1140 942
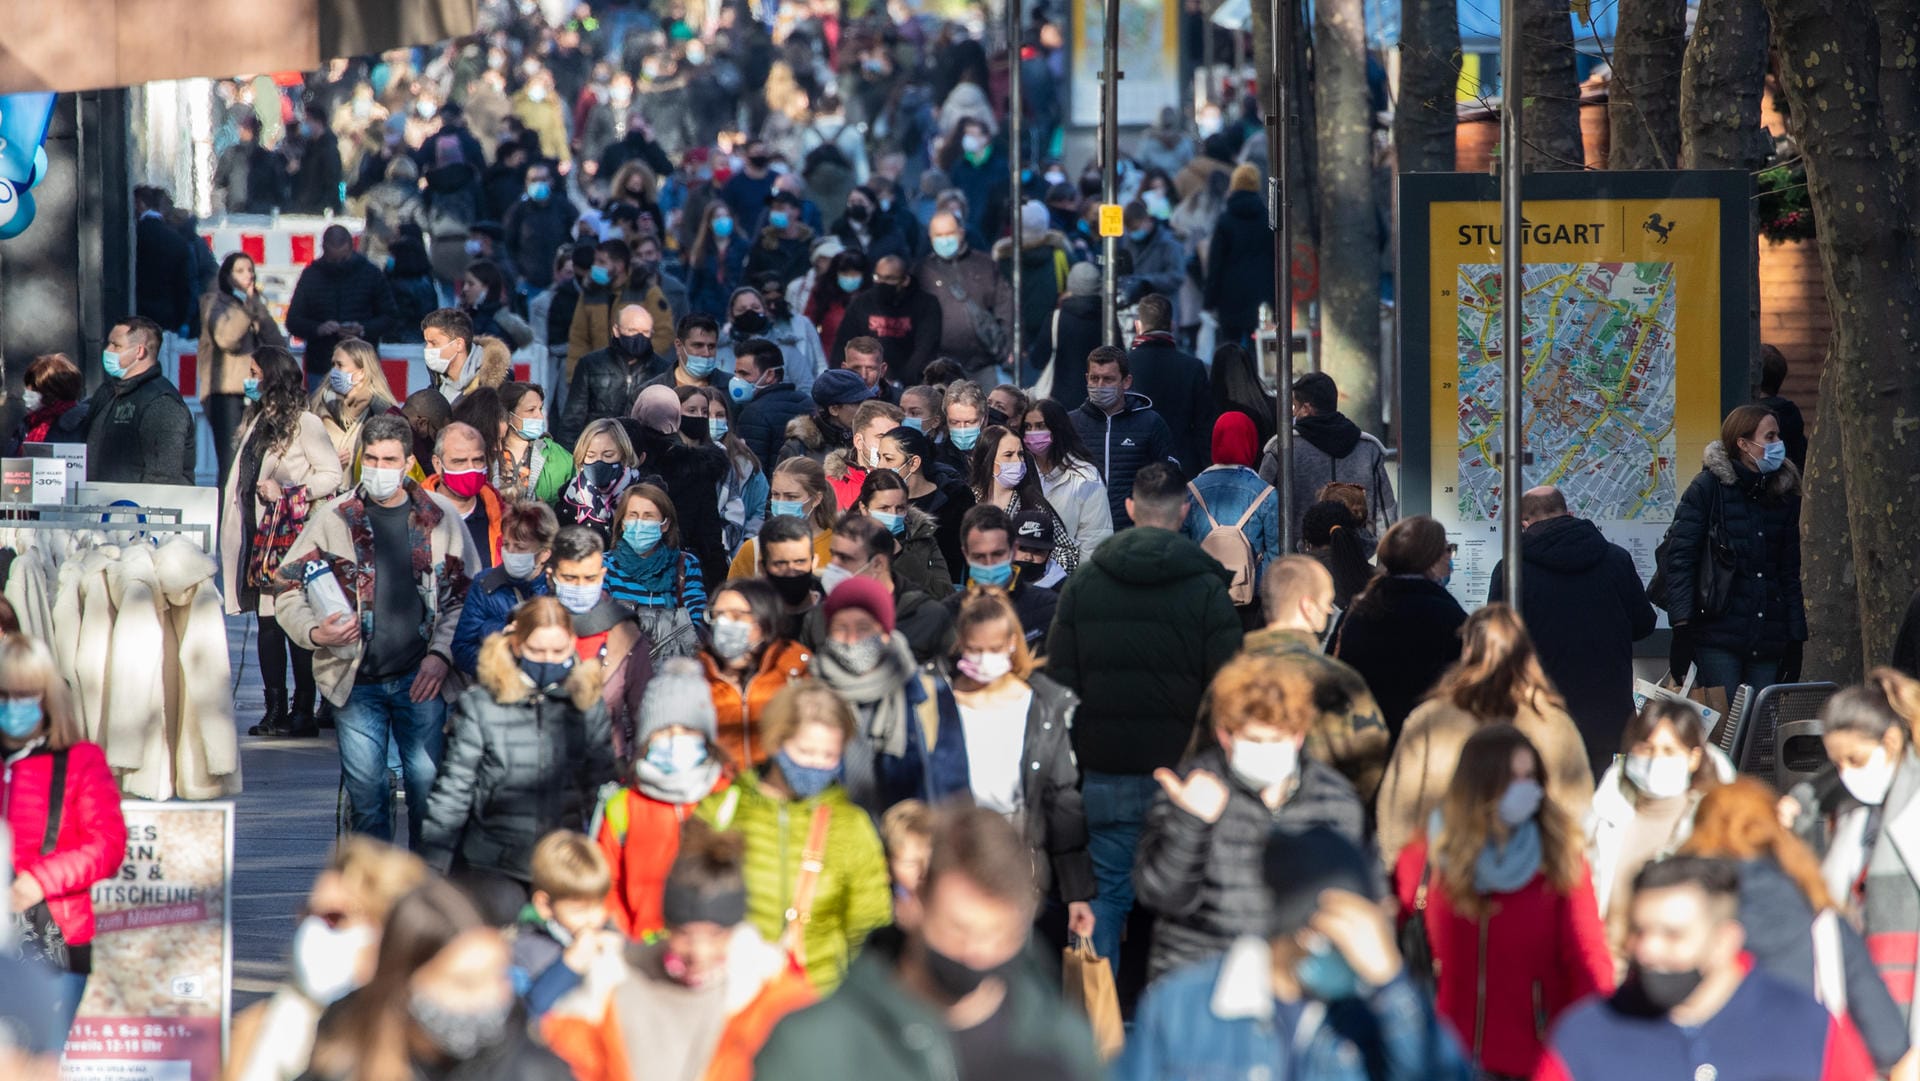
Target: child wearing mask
565 927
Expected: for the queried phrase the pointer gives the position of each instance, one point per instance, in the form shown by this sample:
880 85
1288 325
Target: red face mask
465 484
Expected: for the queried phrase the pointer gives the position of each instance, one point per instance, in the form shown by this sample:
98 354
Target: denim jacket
1229 490
1215 1021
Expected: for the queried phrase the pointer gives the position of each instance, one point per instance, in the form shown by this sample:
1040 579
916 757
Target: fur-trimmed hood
1052 238
770 238
837 463
920 525
1782 482
806 428
496 362
498 671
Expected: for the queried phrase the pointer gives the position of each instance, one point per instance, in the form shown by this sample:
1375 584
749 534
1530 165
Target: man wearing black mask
952 996
607 381
1689 1005
747 190
905 319
787 563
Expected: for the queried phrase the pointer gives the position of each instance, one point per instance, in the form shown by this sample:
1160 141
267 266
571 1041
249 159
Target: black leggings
224 414
274 648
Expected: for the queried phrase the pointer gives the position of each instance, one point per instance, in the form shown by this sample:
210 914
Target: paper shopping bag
1087 980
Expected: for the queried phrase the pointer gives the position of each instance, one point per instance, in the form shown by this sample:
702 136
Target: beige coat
308 460
1423 763
229 333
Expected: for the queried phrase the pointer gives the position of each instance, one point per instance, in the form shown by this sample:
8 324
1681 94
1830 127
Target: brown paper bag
1087 980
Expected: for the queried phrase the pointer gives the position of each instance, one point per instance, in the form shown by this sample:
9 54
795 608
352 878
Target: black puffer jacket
351 291
1122 444
519 764
1054 819
605 384
1203 881
762 423
1585 608
919 562
1762 513
1240 264
1401 635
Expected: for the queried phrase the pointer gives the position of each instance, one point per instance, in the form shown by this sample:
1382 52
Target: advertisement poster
157 1004
1634 347
1149 60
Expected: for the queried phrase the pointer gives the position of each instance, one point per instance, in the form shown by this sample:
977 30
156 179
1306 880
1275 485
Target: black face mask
601 474
996 416
892 294
758 161
750 322
636 346
1647 993
793 588
858 213
697 429
954 979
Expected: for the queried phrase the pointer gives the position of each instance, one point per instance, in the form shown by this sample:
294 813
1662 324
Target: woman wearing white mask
1643 809
1507 905
1198 862
1019 728
747 663
333 953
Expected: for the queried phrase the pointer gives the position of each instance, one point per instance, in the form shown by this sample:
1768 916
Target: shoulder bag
38 936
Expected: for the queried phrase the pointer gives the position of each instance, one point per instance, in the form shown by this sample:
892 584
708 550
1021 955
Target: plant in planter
1785 211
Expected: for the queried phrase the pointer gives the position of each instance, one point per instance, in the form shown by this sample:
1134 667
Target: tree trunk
1349 227
1721 84
1643 100
1826 567
1829 58
1423 123
1900 88
1549 90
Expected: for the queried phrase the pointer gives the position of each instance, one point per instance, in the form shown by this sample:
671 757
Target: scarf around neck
885 688
1500 868
679 789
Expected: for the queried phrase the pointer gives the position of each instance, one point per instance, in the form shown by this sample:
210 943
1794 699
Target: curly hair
1259 688
283 396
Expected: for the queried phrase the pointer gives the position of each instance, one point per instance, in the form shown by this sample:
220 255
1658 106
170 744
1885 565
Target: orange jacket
640 851
589 1030
740 720
490 505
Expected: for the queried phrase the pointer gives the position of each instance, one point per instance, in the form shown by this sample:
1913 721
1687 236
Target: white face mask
437 360
31 399
325 959
831 578
1265 765
1869 783
1521 801
519 564
985 667
379 484
1659 776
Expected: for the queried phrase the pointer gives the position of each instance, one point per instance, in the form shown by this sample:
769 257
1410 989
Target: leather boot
276 719
300 723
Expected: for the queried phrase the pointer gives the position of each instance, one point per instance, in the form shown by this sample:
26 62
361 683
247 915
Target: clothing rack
81 519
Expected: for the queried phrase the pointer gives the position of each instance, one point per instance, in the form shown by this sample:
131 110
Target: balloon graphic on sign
23 161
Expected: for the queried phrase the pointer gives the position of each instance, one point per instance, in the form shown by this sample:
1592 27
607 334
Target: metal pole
1110 173
1017 141
1280 122
1512 296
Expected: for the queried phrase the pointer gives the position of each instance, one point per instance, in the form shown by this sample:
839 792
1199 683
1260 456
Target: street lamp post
1280 211
1512 297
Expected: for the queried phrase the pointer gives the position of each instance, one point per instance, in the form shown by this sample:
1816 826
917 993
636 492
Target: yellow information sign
1112 222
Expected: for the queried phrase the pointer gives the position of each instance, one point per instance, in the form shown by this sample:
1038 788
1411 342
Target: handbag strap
56 803
1426 877
812 862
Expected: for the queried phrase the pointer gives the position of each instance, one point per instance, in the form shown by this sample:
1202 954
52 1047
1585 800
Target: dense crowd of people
772 684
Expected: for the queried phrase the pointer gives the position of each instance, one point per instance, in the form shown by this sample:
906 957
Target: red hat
865 594
1234 440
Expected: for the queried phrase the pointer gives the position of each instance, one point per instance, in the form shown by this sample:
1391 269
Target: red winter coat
92 838
1548 951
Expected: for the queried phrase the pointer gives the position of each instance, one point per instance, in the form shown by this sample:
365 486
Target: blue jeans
374 714
73 988
1725 668
1116 806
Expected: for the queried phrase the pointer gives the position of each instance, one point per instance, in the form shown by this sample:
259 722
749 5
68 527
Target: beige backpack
1229 545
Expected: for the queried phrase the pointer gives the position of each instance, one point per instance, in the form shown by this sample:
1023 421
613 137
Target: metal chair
1780 738
1731 729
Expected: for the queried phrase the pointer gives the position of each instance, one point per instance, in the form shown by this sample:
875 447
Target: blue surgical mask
539 190
997 575
1772 457
723 227
740 390
642 537
677 753
849 283
251 388
340 381
915 423
946 247
791 508
532 428
779 219
110 360
896 523
805 782
577 599
1325 974
20 717
964 438
717 428
701 367
1137 235
600 275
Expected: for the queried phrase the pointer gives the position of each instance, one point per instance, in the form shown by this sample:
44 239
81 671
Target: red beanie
1234 440
865 594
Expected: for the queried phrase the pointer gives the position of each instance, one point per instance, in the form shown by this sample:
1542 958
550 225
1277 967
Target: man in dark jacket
837 395
926 1004
161 260
1585 607
696 349
864 548
606 381
1174 381
139 430
1121 428
1198 865
1141 629
536 227
1240 259
966 284
319 173
904 318
249 177
1332 448
988 536
783 246
763 401
1158 259
341 295
1071 334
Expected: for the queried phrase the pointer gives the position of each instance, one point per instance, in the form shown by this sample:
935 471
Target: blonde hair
1498 673
533 614
567 866
804 702
813 477
908 820
367 359
609 427
375 873
986 604
27 670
